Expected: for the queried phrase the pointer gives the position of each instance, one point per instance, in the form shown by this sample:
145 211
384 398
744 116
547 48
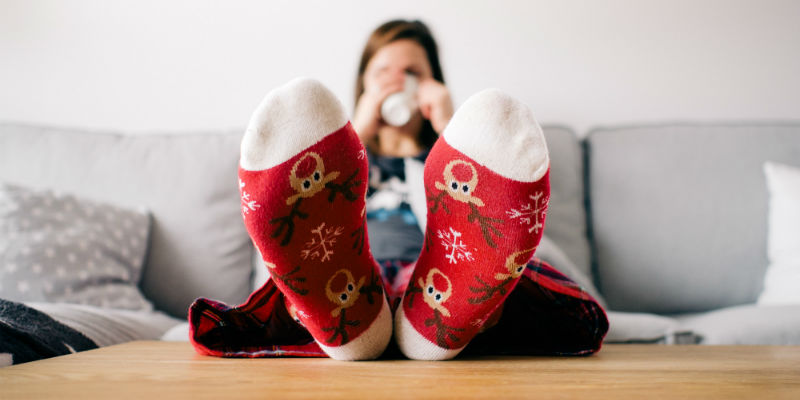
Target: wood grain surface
170 370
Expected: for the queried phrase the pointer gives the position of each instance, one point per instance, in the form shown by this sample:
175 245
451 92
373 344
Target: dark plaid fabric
29 334
545 314
261 327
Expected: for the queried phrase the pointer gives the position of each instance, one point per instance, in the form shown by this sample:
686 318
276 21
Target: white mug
398 107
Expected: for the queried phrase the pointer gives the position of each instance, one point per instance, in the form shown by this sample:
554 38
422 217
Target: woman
473 281
394 51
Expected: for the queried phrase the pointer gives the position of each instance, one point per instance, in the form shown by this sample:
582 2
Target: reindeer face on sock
460 182
347 295
312 180
436 296
515 264
460 189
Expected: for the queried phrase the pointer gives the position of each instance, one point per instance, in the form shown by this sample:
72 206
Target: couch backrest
678 213
565 224
199 246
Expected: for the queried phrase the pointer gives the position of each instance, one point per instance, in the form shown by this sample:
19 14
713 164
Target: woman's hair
396 30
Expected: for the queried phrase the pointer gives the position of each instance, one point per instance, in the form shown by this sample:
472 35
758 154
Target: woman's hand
435 103
367 116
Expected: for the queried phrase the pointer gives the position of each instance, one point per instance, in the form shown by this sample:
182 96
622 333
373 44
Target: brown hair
396 30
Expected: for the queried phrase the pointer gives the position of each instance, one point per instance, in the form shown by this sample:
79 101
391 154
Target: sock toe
500 133
304 108
415 346
370 344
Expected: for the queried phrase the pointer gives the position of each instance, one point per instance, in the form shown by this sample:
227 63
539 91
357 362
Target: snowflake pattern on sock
531 213
247 204
452 242
321 244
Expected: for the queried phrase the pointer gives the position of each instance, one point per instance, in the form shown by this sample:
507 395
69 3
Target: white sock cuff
370 344
290 119
500 133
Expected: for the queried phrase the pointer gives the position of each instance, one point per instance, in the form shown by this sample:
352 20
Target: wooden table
163 370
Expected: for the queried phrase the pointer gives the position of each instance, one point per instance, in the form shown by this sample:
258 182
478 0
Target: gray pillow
59 248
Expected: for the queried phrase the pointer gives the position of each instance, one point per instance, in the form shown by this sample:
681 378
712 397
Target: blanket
27 334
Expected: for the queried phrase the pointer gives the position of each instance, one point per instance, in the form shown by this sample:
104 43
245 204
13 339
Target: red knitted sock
303 177
487 183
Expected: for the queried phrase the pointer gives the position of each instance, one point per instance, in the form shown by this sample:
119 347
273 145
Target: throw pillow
782 279
60 248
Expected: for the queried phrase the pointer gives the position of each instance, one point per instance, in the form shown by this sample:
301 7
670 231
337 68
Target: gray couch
666 225
675 228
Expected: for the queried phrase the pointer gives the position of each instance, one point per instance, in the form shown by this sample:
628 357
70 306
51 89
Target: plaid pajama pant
545 314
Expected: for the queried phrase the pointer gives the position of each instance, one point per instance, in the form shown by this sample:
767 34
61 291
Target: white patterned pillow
59 248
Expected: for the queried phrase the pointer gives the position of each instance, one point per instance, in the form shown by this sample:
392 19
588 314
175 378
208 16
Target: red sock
487 183
303 177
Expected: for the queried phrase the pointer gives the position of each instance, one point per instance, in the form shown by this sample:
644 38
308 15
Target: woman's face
392 61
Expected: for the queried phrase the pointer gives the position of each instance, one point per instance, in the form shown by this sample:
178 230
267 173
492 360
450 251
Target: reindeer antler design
515 270
343 299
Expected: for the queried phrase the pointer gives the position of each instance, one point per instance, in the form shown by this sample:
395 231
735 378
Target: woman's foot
303 177
487 184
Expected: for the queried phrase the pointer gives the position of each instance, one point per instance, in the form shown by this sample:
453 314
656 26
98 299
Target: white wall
184 65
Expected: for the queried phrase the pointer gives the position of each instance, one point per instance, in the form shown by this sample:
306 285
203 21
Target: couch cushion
198 244
748 324
627 327
566 217
678 213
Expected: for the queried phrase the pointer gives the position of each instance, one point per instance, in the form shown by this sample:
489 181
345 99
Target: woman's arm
435 103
